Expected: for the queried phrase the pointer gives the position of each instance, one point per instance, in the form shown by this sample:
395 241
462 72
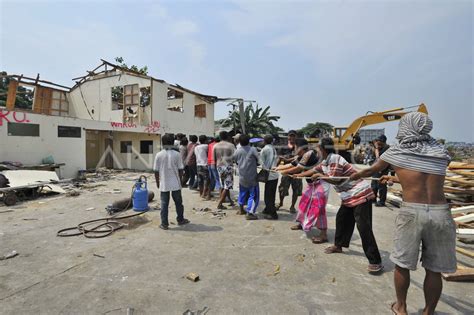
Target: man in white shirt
203 173
168 167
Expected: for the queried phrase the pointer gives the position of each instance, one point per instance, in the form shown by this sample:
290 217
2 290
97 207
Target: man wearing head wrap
424 218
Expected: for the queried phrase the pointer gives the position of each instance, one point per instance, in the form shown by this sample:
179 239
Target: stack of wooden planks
459 184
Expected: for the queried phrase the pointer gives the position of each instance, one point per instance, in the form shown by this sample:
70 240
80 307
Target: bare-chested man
420 164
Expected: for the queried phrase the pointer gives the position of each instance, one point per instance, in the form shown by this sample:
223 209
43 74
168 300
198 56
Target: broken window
23 129
59 104
24 96
146 146
69 132
131 99
200 110
125 146
4 90
175 100
117 97
145 96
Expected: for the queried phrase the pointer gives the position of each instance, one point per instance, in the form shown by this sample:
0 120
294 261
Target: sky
328 61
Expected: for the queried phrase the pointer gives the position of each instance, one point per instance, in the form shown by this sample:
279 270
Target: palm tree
258 121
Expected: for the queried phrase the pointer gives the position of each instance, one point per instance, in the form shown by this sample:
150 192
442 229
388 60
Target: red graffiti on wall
153 127
122 125
9 116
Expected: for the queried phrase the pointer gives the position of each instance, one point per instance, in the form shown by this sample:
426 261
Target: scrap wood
465 209
461 181
460 165
194 277
464 218
465 252
461 274
463 173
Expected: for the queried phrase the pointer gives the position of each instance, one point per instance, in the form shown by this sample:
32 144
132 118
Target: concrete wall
71 151
135 160
181 122
31 150
96 94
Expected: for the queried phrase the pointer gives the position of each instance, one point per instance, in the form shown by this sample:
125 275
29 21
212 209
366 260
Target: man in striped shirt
356 204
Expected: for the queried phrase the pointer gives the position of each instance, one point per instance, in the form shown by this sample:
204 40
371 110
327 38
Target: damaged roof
107 67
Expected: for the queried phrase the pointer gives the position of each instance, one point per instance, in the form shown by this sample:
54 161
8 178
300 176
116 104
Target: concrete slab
144 267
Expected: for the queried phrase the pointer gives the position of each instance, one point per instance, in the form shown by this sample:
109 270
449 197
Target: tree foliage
121 63
258 121
24 94
317 129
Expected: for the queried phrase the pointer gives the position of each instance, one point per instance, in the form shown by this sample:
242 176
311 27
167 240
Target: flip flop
333 250
221 207
393 310
296 227
318 240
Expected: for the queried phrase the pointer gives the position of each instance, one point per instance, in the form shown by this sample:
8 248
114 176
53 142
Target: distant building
368 135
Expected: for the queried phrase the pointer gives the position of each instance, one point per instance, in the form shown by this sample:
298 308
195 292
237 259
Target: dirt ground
245 267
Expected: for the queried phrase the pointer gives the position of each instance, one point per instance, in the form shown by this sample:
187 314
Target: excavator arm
375 118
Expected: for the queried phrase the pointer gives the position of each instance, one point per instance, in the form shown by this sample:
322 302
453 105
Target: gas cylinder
140 195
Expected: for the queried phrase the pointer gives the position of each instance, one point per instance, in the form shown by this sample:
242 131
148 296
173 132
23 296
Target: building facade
111 117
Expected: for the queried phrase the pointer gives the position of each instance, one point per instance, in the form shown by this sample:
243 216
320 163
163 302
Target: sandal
319 240
163 227
374 268
333 250
221 207
296 227
395 311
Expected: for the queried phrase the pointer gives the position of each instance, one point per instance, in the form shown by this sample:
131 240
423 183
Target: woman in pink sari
312 210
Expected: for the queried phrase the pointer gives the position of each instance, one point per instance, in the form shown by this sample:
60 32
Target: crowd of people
209 164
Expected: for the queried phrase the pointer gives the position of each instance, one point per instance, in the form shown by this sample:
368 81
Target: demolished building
112 117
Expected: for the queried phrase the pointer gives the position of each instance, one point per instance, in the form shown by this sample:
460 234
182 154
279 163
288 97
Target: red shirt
210 154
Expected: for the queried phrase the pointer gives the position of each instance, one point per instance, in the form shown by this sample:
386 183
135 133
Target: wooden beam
462 274
11 95
465 252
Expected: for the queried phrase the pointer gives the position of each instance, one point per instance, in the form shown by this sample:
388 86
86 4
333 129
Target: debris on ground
198 312
275 271
73 193
300 257
90 209
194 277
216 214
97 255
12 254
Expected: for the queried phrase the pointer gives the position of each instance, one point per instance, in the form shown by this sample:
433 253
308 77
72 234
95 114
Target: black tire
9 199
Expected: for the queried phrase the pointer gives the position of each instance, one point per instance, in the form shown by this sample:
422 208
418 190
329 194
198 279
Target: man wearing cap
379 188
288 155
424 219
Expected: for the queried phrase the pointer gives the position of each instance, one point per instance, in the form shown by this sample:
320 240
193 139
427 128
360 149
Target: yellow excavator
344 137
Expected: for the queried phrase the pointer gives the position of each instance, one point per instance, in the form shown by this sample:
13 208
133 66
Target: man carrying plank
420 164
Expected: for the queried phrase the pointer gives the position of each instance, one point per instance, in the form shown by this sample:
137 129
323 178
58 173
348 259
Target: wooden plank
462 274
463 172
11 95
465 252
460 165
464 218
460 180
466 209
